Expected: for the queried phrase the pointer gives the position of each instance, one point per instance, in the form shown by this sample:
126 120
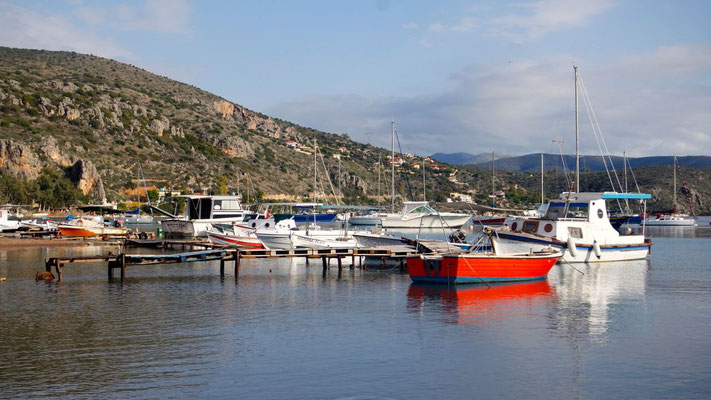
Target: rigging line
407 175
633 177
604 142
328 177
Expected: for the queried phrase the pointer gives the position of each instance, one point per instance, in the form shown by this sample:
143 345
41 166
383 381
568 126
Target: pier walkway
225 255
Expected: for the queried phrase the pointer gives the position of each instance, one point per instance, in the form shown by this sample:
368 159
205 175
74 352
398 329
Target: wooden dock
224 255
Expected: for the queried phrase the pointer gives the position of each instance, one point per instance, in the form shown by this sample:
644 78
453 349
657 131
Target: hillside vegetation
94 121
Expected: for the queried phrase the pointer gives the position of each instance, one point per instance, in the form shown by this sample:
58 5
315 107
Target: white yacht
414 214
203 211
578 224
285 235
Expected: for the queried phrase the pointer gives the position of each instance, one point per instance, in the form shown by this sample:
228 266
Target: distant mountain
467 158
532 162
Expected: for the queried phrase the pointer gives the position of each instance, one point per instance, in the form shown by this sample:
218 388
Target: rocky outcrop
225 108
85 176
160 125
18 160
52 152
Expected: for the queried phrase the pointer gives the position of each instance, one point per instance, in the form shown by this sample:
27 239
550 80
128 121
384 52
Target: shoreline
16 243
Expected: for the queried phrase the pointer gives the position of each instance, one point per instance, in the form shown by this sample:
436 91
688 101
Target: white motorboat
285 235
415 214
577 224
7 224
203 211
671 220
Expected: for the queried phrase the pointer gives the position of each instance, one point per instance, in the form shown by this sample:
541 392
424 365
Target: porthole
600 213
514 226
548 228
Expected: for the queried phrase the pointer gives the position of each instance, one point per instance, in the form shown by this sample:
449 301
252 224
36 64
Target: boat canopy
630 196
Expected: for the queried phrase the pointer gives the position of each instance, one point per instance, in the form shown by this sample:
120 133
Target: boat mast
674 183
577 137
542 195
493 190
392 169
424 186
380 167
315 190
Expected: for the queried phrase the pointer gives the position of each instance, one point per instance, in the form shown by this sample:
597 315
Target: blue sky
474 76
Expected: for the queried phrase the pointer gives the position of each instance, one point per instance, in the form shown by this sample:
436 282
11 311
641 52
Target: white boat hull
584 252
180 228
375 240
426 221
671 222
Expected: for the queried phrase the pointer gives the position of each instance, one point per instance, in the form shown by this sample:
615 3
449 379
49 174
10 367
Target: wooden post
123 266
237 259
353 261
360 261
58 267
402 265
222 268
340 267
48 264
325 265
382 261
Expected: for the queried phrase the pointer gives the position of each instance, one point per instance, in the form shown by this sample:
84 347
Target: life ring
80 223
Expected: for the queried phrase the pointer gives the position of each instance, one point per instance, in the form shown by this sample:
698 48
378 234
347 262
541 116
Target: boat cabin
213 207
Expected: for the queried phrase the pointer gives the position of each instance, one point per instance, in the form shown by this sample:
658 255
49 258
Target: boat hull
234 241
670 222
480 268
375 240
426 221
517 243
81 231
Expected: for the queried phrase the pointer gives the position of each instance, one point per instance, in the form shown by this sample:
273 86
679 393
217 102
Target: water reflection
587 294
478 304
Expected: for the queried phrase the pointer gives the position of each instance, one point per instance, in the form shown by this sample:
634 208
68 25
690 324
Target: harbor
195 328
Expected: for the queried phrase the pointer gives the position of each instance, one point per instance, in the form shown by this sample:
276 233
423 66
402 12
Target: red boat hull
475 268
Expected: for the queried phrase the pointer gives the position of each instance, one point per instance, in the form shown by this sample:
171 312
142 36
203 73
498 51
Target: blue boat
326 217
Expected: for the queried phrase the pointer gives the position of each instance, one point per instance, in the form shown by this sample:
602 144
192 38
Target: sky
454 76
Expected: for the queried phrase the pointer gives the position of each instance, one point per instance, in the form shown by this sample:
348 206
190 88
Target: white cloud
547 16
463 25
167 16
20 27
648 104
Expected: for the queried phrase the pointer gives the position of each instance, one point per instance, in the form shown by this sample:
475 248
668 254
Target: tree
53 189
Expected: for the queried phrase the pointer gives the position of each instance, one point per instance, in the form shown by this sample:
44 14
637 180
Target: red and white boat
482 267
235 240
88 227
488 220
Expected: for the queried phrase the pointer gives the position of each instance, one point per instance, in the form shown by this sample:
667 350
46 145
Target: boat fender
596 249
80 223
117 224
572 248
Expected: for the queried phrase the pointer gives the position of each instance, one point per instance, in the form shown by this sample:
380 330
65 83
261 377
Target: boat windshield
422 209
558 210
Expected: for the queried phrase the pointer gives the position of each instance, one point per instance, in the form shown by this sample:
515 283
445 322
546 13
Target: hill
93 121
58 109
467 158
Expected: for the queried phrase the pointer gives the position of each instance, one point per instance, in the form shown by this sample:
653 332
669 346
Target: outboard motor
458 237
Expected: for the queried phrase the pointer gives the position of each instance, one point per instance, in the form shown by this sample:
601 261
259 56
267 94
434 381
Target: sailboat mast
424 185
577 137
542 195
674 183
493 190
315 190
380 167
392 169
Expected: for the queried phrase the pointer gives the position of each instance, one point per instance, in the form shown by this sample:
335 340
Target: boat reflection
591 297
476 304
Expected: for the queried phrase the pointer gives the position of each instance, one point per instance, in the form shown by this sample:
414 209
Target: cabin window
530 226
205 208
558 209
575 233
194 208
514 226
227 216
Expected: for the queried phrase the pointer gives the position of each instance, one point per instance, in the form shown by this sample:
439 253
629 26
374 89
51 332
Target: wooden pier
225 255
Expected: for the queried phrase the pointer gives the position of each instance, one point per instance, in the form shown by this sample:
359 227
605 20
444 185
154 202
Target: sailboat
673 218
414 214
576 223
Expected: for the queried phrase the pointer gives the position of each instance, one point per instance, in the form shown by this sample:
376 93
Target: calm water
619 330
